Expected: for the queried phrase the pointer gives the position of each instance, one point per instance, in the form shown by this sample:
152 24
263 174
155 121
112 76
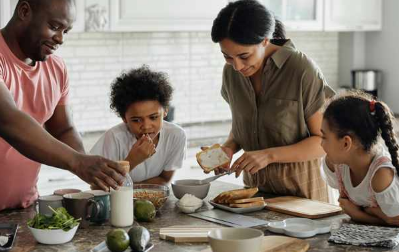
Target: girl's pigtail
385 121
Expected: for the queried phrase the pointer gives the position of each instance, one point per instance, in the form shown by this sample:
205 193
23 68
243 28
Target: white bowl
190 186
55 236
235 240
189 209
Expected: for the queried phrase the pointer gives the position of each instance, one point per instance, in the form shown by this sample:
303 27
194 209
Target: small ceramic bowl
189 208
235 240
190 186
55 236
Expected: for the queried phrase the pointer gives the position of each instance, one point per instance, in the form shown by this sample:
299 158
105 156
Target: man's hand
222 169
252 162
97 171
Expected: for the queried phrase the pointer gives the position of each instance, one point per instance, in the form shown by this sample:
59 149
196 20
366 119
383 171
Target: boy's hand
142 149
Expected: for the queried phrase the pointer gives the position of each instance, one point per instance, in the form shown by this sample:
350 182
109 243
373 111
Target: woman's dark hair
140 84
351 114
37 4
246 22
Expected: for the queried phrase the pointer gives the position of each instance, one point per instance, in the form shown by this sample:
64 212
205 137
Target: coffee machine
368 80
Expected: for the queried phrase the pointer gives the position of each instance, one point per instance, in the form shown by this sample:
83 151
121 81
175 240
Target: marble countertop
86 239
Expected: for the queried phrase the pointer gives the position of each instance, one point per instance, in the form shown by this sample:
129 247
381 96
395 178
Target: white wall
352 48
345 58
193 62
375 50
382 52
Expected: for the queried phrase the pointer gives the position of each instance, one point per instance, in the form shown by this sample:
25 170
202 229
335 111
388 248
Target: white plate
237 209
299 227
102 247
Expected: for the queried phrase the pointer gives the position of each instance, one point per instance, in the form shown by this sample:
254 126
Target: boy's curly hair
140 84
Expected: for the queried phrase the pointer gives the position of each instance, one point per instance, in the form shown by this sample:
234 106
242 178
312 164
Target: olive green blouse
293 89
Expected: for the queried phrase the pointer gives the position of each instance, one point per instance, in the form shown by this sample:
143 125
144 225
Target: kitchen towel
363 235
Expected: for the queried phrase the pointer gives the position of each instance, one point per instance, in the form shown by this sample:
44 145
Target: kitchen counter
86 239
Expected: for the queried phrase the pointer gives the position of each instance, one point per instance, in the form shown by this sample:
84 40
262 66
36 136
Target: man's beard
31 50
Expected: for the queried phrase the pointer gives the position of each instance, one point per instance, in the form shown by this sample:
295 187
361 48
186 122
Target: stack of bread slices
241 198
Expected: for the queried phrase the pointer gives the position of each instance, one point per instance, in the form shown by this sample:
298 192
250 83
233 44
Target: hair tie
372 107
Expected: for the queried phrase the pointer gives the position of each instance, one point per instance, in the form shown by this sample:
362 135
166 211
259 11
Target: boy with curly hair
155 148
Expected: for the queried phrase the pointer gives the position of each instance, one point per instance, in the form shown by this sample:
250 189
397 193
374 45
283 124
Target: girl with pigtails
364 172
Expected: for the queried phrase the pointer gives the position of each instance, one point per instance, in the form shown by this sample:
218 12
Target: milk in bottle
122 201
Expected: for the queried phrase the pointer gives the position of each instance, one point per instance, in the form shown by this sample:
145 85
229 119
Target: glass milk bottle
122 201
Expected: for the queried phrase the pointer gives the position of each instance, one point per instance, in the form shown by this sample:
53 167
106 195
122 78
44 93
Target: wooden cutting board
301 207
186 233
279 244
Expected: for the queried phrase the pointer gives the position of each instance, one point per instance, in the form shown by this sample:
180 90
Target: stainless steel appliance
368 80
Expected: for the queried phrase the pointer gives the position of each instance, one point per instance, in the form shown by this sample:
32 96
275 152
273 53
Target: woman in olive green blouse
275 94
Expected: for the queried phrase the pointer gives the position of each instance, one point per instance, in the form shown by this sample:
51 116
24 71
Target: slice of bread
248 200
226 197
212 158
251 204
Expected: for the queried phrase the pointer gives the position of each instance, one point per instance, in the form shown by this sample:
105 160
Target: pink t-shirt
36 90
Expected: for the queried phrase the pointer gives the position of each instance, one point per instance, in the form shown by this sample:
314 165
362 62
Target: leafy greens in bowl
57 229
60 219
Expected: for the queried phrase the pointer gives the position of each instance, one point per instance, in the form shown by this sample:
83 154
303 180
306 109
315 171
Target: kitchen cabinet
298 15
166 15
328 15
7 8
353 15
198 15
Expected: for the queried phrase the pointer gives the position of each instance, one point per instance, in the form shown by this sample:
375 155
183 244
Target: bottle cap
125 164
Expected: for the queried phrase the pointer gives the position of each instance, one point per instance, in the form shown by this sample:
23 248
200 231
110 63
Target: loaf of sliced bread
212 158
226 197
250 204
247 200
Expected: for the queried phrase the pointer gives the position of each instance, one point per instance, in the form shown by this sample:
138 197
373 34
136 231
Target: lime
117 240
144 210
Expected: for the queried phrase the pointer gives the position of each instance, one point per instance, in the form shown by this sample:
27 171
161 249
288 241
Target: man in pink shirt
34 92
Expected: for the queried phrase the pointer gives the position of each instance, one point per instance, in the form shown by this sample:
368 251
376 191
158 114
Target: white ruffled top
363 194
